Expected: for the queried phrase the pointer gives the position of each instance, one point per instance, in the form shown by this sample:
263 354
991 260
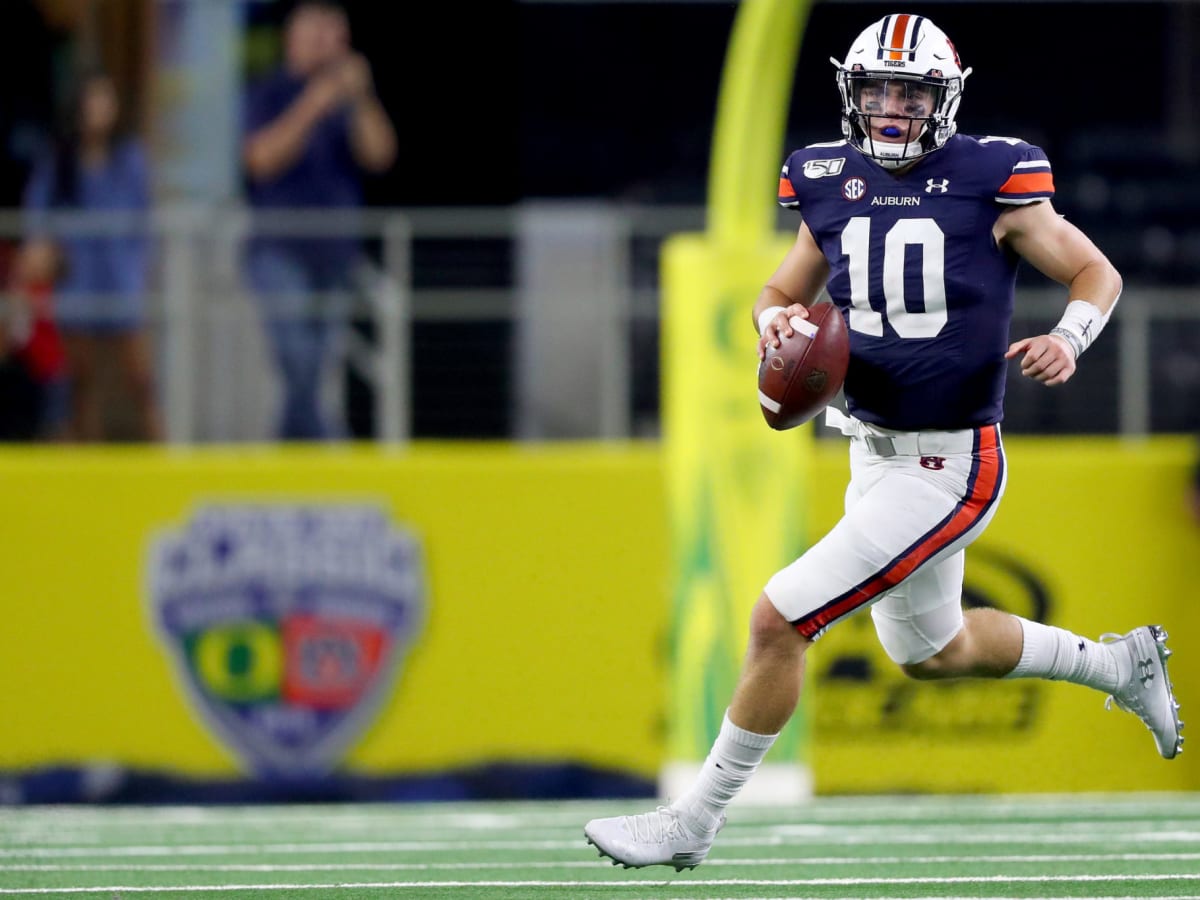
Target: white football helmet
901 84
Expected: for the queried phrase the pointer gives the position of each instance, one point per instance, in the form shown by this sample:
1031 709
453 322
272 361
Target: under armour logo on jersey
940 185
936 463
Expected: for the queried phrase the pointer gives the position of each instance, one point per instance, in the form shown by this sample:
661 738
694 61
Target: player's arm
794 286
1062 252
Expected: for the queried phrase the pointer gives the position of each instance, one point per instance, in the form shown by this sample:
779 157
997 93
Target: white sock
1059 655
735 756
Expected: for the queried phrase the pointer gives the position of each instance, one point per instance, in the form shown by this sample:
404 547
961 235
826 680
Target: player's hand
780 327
1048 359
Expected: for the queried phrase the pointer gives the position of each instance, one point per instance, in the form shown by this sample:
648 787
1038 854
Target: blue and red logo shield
287 624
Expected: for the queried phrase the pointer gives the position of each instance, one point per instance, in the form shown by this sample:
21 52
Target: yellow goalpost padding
736 489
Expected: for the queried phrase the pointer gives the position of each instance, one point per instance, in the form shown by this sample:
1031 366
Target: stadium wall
174 614
171 622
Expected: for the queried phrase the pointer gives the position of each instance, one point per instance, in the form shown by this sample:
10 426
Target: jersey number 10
923 233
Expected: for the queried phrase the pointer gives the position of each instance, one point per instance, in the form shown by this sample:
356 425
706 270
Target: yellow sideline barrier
536 633
1094 535
545 607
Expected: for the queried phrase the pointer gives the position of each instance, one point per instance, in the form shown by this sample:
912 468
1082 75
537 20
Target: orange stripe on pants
981 493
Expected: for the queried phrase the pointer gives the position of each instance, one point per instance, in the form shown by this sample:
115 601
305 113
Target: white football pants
914 502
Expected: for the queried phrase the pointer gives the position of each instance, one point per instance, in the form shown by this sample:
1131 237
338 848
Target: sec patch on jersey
799 378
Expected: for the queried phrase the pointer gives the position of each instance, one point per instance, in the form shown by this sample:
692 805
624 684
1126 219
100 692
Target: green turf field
1125 845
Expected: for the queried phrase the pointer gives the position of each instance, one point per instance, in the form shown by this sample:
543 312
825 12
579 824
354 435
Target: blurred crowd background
509 275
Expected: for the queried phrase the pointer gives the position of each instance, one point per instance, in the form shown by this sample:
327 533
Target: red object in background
41 351
330 662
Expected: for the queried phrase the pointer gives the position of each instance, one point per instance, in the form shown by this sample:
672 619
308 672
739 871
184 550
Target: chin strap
906 154
889 156
892 156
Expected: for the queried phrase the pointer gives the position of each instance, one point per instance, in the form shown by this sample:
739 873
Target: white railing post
179 299
1133 367
615 374
393 391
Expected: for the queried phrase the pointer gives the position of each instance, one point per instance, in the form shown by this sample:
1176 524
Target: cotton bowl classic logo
286 624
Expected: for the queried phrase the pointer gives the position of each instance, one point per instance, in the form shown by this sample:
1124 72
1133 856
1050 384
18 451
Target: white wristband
1080 325
765 317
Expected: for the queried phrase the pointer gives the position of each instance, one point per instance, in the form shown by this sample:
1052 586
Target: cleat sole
1158 635
1164 653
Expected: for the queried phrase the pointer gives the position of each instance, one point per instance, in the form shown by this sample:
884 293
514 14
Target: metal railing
429 268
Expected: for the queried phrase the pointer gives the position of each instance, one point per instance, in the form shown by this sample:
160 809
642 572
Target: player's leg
1130 668
922 628
768 687
765 697
987 646
996 644
864 543
914 621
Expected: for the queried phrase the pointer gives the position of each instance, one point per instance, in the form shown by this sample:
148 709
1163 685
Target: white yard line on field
96 829
807 839
551 813
729 882
822 861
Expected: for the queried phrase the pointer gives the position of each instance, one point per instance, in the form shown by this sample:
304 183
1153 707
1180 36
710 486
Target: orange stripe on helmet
899 32
1028 183
785 188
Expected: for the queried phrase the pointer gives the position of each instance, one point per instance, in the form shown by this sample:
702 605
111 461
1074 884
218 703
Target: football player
916 232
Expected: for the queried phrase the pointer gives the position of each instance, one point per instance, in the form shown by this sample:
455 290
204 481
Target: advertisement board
1092 535
294 612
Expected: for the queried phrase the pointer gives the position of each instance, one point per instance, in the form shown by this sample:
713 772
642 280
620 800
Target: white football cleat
659 838
1148 693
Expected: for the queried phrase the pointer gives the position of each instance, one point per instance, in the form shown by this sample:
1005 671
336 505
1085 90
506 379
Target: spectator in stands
33 386
99 280
313 129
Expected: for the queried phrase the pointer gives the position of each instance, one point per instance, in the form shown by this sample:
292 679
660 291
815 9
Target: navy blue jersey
926 293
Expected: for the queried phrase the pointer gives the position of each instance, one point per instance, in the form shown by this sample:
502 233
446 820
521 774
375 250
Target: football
799 378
